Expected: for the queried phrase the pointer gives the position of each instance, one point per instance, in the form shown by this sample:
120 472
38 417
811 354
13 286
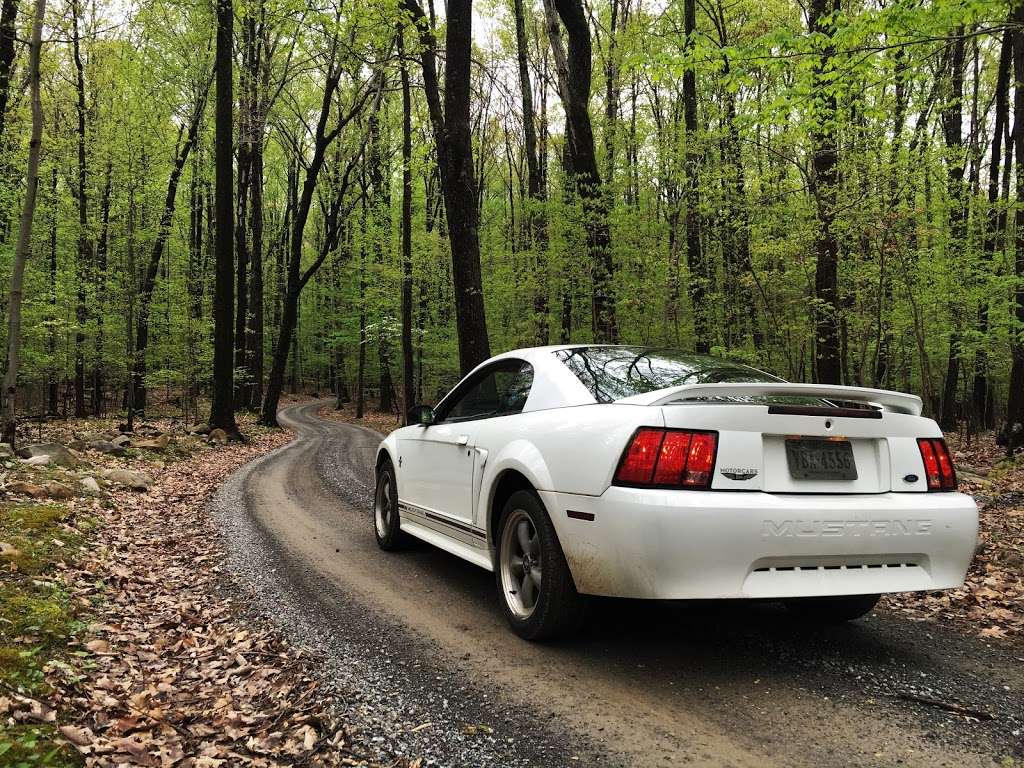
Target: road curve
418 650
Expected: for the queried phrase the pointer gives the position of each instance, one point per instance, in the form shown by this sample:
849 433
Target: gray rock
57 454
38 461
106 446
218 436
122 441
137 481
156 444
199 428
90 484
55 490
6 452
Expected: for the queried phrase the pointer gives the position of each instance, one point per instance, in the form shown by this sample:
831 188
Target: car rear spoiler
896 402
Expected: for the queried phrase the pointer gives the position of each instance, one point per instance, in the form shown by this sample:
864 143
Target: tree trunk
407 349
8 37
574 69
222 410
84 252
453 140
699 273
1013 432
952 128
21 251
51 336
981 399
825 178
101 292
536 220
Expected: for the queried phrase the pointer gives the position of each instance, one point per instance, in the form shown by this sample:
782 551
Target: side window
500 390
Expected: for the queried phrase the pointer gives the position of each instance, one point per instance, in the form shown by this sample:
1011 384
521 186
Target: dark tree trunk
825 178
574 68
981 396
8 36
699 274
101 292
84 251
254 333
407 349
222 409
453 140
52 383
536 220
1013 432
952 128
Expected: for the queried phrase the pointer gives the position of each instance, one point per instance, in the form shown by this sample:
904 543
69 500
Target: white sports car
648 473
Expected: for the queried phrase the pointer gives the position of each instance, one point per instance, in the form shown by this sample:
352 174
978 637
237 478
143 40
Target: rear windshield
612 373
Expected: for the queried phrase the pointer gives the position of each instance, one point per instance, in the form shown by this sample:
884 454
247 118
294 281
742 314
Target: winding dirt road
647 684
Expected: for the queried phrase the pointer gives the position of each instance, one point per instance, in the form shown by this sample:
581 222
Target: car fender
388 448
521 456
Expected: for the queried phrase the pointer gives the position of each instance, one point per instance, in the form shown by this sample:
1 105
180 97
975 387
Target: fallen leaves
170 673
991 601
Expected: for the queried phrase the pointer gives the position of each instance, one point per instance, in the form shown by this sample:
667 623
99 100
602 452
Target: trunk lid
753 437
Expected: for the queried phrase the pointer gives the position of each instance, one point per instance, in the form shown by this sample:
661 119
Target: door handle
462 440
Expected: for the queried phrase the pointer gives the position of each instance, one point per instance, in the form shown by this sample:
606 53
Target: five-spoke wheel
386 526
538 594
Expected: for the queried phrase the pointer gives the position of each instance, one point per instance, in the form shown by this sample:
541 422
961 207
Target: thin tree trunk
84 252
699 273
51 337
980 389
101 292
825 178
8 36
407 349
21 251
1013 432
952 128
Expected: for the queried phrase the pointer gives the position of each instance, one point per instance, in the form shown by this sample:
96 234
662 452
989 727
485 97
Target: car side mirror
421 414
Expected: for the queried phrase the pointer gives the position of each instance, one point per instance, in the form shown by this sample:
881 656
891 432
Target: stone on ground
137 481
56 452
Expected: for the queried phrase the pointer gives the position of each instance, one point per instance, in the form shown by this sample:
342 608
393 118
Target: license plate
814 459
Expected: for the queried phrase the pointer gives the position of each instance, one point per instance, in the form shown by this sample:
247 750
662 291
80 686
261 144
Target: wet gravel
400 702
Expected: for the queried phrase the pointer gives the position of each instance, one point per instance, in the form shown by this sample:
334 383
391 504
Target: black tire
832 610
558 609
386 524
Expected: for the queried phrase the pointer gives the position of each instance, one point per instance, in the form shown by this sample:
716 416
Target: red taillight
938 465
668 458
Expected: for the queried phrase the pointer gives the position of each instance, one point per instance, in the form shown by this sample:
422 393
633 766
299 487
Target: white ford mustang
649 473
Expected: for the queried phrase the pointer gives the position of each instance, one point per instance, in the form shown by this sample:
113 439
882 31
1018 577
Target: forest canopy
369 197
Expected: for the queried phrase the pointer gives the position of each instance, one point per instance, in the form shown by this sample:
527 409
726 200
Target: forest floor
119 641
991 601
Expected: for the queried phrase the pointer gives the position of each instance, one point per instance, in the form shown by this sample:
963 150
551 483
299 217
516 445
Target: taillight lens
668 458
938 464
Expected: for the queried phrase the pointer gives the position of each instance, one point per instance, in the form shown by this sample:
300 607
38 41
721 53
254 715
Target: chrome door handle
462 440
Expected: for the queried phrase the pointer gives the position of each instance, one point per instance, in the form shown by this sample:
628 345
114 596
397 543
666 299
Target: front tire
537 592
386 524
833 610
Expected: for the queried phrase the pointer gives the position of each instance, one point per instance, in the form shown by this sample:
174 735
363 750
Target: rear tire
386 524
537 592
832 610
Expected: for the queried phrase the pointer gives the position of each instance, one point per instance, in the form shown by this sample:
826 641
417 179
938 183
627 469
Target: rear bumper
666 544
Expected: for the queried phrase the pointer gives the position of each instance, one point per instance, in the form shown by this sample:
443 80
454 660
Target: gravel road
414 644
